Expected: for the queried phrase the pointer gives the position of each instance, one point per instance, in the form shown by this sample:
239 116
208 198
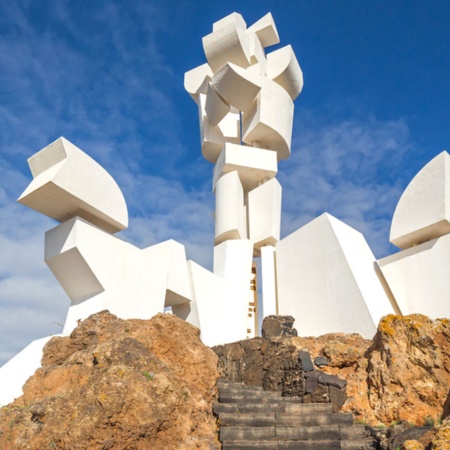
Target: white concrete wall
327 280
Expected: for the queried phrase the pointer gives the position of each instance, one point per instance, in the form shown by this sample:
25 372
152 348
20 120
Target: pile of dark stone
274 365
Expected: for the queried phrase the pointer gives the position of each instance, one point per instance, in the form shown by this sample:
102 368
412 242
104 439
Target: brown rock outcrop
118 384
402 374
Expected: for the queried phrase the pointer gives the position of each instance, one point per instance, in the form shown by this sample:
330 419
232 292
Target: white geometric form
327 280
212 138
254 165
266 31
69 183
419 278
257 54
230 214
17 370
269 281
423 211
99 271
264 214
196 81
268 123
215 107
237 86
227 43
283 68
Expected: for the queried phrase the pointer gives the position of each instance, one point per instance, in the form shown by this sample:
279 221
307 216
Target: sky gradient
108 76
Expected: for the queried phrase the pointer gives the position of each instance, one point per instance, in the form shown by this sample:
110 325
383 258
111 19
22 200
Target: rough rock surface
118 384
402 374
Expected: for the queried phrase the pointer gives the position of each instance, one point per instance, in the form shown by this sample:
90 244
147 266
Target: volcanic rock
118 384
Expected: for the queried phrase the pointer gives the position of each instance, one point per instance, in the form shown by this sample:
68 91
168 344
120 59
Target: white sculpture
324 274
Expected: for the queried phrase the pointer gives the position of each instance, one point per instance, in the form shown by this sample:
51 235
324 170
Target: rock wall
116 384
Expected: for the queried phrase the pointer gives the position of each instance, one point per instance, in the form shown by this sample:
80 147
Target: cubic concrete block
419 278
237 86
266 31
284 69
99 271
227 43
68 183
423 211
268 124
253 165
196 81
264 214
327 280
230 217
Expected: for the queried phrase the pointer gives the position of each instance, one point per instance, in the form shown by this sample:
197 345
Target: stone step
313 419
359 444
221 384
281 445
249 396
353 432
293 420
253 407
284 405
247 420
280 433
316 433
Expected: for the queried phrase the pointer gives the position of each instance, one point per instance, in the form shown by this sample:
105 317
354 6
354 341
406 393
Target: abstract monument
324 274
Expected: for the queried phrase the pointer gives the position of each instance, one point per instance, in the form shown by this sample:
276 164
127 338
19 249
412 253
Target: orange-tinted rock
116 384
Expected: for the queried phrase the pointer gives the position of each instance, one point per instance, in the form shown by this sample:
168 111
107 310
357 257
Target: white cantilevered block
99 271
254 165
423 211
264 214
268 123
230 216
327 280
257 54
418 278
215 107
68 183
283 68
196 81
266 31
213 138
237 86
227 43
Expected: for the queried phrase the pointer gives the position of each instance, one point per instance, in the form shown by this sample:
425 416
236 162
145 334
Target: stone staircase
251 418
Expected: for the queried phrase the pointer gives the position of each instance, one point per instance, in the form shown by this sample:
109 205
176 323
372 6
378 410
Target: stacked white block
327 280
419 276
68 183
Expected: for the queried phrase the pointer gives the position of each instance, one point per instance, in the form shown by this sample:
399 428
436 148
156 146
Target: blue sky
108 76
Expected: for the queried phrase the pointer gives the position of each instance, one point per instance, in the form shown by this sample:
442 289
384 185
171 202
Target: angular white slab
227 43
419 278
237 86
68 183
196 81
284 69
264 214
327 280
254 165
268 124
99 271
215 107
423 211
17 370
213 138
230 216
266 31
